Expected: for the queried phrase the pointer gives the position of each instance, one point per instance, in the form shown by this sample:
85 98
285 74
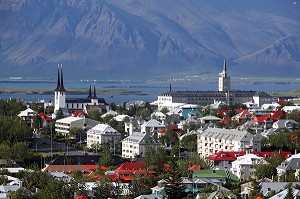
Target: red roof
79 112
232 155
94 167
195 167
81 197
44 116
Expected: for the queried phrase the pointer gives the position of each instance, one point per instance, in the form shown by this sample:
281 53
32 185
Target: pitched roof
153 123
103 129
227 134
66 168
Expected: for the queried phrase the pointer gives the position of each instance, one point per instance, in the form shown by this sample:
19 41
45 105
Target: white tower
59 92
224 79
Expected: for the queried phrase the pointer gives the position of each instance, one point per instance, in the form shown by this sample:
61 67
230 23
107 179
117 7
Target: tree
275 159
104 188
94 114
190 142
105 157
265 171
255 191
21 193
290 192
154 157
140 185
174 187
3 180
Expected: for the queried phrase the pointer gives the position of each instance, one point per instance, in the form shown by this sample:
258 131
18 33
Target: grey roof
227 134
283 123
152 196
266 187
136 137
282 194
292 162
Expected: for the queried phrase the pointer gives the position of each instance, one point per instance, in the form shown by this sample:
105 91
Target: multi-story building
213 140
102 133
244 166
136 143
204 98
65 125
71 104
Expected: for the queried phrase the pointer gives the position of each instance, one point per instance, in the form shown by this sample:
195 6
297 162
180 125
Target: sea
138 91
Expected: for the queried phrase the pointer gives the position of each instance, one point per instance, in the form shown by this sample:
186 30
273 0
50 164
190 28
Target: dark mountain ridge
140 39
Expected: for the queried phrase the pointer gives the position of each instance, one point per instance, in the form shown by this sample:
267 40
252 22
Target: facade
204 98
27 115
151 126
244 166
102 133
71 104
224 79
64 126
213 140
291 163
136 143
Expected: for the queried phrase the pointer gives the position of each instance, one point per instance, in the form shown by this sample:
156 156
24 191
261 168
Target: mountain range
138 39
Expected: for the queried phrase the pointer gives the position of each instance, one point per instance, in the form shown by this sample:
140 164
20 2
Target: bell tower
60 91
224 79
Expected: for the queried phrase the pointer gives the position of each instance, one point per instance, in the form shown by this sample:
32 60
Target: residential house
285 123
158 116
282 194
134 125
244 166
45 120
151 126
291 163
224 159
216 177
219 194
135 144
243 116
213 140
65 125
290 109
101 134
27 115
209 118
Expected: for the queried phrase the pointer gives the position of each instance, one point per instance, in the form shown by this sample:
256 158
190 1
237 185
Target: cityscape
138 99
187 144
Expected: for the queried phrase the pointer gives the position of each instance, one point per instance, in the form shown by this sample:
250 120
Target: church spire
94 95
224 66
61 86
58 79
170 86
90 93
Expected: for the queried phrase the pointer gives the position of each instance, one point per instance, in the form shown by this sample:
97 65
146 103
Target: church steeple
225 68
90 93
94 95
60 80
170 87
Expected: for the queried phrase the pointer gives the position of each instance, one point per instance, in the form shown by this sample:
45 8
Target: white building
27 115
65 125
291 163
213 140
70 104
134 125
244 166
151 126
136 143
102 133
224 79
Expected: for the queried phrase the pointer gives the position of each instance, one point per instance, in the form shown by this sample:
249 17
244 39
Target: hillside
138 39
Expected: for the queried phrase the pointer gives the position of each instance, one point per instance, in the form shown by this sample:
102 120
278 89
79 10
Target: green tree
94 114
154 157
21 193
104 188
190 142
141 185
290 192
105 157
265 171
3 180
174 187
255 191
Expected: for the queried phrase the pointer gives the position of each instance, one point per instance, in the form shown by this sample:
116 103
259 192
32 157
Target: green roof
215 174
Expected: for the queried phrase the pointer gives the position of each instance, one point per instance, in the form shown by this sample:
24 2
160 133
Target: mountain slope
141 38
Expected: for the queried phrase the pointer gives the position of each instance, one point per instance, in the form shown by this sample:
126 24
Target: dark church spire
60 80
90 93
224 66
94 95
170 87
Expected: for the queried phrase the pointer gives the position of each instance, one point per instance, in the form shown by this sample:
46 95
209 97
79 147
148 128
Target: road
43 145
